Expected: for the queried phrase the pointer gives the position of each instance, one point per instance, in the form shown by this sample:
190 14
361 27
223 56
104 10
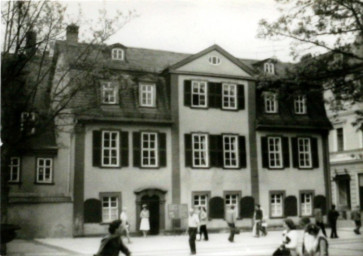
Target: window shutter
242 152
247 207
264 150
320 203
188 150
216 150
92 211
216 208
241 96
96 148
295 153
187 92
215 95
315 152
290 206
124 149
162 149
136 143
285 151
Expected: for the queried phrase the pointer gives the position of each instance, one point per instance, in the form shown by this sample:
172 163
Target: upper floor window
28 121
269 68
230 151
304 152
147 95
109 93
274 152
14 168
229 97
306 203
149 149
300 104
340 139
199 94
214 60
44 170
118 54
110 154
200 150
110 208
271 105
276 204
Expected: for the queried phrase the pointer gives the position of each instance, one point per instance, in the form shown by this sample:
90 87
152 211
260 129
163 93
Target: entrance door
361 191
153 203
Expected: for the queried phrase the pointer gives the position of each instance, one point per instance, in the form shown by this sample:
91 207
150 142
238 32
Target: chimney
31 42
72 33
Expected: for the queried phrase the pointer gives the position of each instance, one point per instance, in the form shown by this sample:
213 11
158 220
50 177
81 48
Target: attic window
269 68
214 60
118 54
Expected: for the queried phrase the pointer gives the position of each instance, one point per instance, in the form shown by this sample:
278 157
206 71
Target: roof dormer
118 52
269 68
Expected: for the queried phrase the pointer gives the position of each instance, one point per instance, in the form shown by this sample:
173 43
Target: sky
190 26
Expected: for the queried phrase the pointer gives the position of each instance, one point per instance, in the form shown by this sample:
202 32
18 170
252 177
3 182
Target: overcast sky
190 26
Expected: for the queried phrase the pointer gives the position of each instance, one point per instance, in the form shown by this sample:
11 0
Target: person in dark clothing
332 218
356 216
112 244
258 219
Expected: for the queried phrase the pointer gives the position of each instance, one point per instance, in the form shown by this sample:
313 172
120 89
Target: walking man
125 223
319 220
203 223
231 221
193 226
258 219
357 220
332 219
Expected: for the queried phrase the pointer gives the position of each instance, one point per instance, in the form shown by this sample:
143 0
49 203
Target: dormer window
147 95
28 121
269 68
118 54
214 60
300 105
109 93
271 103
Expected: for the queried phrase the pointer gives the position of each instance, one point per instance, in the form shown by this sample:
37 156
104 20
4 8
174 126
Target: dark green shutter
124 149
136 143
216 150
247 207
214 95
241 96
295 153
162 149
290 206
92 211
264 150
188 150
286 151
242 152
216 208
315 152
187 92
96 148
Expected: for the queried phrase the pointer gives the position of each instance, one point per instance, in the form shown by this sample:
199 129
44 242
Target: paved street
348 244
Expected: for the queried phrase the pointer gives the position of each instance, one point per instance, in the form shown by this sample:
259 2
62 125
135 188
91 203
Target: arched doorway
155 200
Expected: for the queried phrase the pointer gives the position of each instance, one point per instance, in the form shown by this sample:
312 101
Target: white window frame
110 212
45 166
269 68
146 152
274 152
230 199
14 168
271 104
304 152
306 206
109 93
337 139
300 105
107 151
214 60
201 199
277 208
230 151
202 151
118 54
229 96
196 90
147 95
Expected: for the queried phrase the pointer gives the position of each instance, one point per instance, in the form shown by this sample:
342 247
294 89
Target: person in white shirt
203 223
125 223
289 240
193 227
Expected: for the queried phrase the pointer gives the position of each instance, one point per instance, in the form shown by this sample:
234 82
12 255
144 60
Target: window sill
305 168
280 217
147 106
15 182
276 169
44 183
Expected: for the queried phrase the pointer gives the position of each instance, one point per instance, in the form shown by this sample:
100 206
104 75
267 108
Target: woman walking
289 240
314 243
145 224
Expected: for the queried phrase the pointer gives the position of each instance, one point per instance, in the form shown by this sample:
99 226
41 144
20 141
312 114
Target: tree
33 100
332 31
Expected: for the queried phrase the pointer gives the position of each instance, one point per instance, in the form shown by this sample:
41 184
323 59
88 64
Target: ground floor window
111 205
306 203
200 199
232 198
276 204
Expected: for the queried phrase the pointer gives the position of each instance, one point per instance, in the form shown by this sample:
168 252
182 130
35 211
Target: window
118 54
200 150
271 103
199 94
300 104
229 97
230 151
274 152
340 139
28 121
304 151
269 68
232 199
14 167
110 148
44 170
306 203
109 93
276 204
147 95
149 149
200 199
110 208
214 60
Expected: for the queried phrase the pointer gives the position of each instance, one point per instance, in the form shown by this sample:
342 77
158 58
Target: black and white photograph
181 127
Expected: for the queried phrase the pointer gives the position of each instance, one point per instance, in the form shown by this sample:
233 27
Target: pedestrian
203 223
319 220
258 216
332 219
288 246
231 221
125 223
193 227
112 244
356 216
264 227
314 244
144 224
